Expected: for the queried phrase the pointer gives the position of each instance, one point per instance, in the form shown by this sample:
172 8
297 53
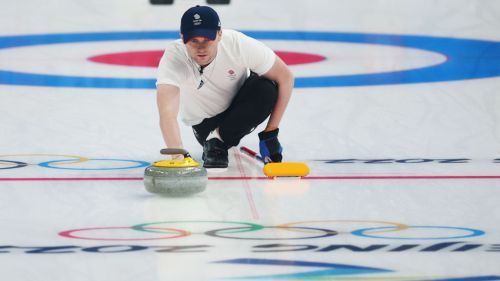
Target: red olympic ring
69 233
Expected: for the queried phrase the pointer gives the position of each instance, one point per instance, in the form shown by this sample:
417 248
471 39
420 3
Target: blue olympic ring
473 233
140 164
466 59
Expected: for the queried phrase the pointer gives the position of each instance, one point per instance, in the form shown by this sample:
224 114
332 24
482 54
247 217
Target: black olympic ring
327 233
18 164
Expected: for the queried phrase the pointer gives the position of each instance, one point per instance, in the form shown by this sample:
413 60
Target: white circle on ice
341 58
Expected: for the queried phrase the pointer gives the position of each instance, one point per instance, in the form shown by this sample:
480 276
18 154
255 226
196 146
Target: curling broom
281 169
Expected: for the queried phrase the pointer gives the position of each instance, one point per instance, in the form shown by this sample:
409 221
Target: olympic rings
69 234
58 164
140 164
473 233
235 232
73 160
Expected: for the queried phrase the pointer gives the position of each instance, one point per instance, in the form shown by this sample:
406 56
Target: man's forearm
171 133
285 88
285 80
279 109
168 108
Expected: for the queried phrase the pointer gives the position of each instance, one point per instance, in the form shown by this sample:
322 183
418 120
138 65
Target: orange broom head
286 169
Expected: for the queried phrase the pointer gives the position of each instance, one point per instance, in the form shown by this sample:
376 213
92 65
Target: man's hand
270 147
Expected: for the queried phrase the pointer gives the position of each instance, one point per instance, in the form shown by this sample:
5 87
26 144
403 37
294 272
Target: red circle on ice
152 58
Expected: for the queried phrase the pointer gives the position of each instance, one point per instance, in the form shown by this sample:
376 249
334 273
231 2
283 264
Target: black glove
270 147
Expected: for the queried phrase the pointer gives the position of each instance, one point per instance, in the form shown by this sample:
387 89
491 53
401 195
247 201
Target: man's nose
201 45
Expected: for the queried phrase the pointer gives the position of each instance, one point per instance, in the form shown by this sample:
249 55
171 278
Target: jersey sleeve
254 54
171 69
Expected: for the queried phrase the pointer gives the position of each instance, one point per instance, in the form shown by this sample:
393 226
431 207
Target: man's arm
168 101
281 74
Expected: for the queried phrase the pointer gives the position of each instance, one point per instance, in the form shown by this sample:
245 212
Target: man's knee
265 91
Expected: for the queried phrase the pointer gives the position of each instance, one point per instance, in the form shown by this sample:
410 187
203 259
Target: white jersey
204 95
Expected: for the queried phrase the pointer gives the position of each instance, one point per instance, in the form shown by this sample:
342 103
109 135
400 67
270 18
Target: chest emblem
231 75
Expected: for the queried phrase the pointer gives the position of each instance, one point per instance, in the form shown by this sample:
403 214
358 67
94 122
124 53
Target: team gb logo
197 19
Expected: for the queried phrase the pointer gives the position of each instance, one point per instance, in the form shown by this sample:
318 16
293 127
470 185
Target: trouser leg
252 104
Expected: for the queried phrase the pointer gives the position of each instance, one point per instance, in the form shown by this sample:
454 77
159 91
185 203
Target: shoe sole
215 166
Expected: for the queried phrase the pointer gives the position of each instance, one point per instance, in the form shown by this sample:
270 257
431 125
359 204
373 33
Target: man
224 84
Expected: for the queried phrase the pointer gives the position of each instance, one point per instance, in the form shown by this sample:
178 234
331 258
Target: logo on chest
231 75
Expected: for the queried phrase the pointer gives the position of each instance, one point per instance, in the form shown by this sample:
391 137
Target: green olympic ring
249 226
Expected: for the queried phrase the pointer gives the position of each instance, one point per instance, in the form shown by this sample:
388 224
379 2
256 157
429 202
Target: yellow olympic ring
398 226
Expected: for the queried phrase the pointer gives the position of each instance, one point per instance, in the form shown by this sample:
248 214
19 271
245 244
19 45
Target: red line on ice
222 178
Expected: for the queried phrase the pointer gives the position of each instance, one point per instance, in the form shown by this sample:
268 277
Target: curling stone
175 177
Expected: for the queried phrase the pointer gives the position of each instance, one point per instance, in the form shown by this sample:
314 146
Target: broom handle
171 151
251 153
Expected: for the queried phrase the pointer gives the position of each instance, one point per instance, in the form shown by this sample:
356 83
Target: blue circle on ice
466 59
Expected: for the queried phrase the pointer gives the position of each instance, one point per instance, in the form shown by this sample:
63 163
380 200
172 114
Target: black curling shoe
215 154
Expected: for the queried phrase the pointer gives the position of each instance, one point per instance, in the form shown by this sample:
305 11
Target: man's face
203 50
